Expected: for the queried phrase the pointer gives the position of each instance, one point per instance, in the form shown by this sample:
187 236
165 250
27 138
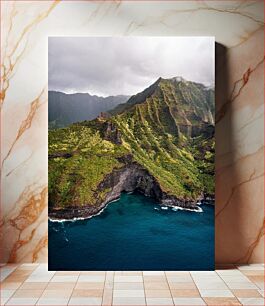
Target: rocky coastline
132 177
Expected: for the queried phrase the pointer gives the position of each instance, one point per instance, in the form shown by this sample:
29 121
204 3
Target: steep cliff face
165 128
132 177
177 104
160 143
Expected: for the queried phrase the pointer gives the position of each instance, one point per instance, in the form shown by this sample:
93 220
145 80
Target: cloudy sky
126 65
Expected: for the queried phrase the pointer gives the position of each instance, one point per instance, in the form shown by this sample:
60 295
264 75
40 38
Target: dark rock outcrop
112 133
130 178
64 155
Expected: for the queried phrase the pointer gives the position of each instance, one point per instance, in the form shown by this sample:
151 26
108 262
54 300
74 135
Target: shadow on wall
221 104
230 242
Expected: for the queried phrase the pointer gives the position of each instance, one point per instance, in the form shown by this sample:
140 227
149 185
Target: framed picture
131 153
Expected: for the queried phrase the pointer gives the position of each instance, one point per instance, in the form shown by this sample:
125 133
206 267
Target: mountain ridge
142 96
160 144
65 109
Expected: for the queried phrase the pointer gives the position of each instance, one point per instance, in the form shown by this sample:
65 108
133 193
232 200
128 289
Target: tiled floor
33 284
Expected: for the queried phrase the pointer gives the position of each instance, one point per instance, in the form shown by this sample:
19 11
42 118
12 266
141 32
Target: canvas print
131 153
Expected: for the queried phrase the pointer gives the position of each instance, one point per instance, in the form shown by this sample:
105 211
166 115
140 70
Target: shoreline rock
132 177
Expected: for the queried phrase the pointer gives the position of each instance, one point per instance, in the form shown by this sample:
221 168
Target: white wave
115 200
68 220
197 210
76 218
82 218
164 207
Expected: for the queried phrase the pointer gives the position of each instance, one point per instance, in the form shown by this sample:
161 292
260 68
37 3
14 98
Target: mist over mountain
65 109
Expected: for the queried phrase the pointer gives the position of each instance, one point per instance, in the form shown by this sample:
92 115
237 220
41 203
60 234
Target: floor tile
215 301
129 286
182 286
188 301
155 278
44 265
39 278
29 266
176 273
21 272
159 301
67 273
61 286
242 285
64 279
56 294
252 301
232 272
246 293
33 286
42 271
157 293
206 278
216 293
87 293
147 273
256 278
6 271
183 293
85 301
211 285
253 272
22 301
261 292
128 273
10 286
53 301
235 278
179 279
109 285
128 293
156 286
203 273
91 278
7 293
109 275
135 301
107 298
251 267
260 285
89 285
16 278
3 300
97 273
128 279
28 293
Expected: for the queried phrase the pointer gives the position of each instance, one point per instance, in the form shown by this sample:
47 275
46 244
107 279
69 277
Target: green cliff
161 142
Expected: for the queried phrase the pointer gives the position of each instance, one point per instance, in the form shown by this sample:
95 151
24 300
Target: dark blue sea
134 233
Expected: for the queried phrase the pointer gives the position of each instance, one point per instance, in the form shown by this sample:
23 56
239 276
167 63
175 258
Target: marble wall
238 27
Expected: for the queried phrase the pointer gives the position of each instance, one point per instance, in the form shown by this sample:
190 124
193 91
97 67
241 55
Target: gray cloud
126 65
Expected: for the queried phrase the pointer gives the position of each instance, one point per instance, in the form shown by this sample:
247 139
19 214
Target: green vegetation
168 129
73 178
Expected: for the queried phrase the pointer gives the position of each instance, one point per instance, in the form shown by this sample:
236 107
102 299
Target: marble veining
238 27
